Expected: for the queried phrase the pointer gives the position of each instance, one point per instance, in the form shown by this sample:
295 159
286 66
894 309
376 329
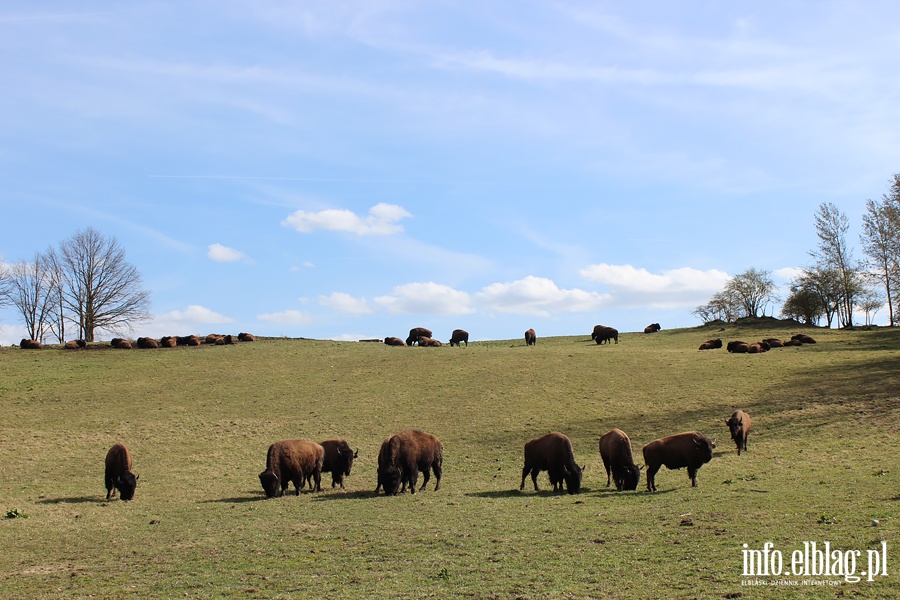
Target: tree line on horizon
835 284
85 282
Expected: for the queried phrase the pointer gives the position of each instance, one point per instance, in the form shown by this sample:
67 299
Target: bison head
346 458
126 483
704 448
734 425
389 479
630 476
573 478
269 481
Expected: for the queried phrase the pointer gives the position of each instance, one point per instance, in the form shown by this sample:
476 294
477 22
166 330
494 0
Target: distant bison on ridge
691 449
552 453
393 341
245 337
459 335
415 333
29 345
530 337
605 334
711 344
652 328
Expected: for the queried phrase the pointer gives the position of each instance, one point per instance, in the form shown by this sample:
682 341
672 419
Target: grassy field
822 466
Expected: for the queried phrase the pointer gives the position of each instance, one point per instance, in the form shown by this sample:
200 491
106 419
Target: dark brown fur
711 344
415 333
427 342
530 338
739 425
652 328
117 473
290 461
338 460
145 342
168 342
691 449
605 334
393 341
615 450
403 455
246 337
459 335
803 338
552 453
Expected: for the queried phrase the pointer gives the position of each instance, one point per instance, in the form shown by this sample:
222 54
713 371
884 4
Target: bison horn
356 454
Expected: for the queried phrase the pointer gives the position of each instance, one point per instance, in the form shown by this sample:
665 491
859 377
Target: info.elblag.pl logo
820 562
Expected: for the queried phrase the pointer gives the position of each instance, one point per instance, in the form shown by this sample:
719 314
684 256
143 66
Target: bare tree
751 291
101 290
5 283
33 290
880 241
834 255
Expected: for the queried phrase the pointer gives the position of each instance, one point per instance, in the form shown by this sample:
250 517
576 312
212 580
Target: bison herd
764 345
168 341
404 455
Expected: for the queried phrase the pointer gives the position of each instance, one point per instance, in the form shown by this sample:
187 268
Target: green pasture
823 465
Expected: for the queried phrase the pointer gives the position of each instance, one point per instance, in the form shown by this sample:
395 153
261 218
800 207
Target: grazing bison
246 337
691 449
615 450
292 461
29 345
401 458
739 425
415 333
459 335
427 342
652 328
145 342
530 338
338 461
605 334
552 453
118 475
711 344
168 341
394 341
803 338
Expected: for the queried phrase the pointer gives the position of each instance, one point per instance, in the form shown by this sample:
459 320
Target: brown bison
118 475
29 344
615 450
401 458
145 342
691 449
652 328
774 342
459 335
790 343
803 338
738 347
415 333
605 334
757 347
75 344
739 425
552 453
530 338
168 341
292 461
711 344
393 341
427 342
338 461
122 344
245 337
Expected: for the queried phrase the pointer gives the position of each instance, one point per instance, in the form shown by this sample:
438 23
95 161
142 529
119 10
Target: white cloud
288 317
220 253
671 289
540 297
426 298
346 303
381 220
194 313
788 273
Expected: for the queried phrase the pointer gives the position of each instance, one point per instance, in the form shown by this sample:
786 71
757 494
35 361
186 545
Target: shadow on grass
358 494
78 500
253 496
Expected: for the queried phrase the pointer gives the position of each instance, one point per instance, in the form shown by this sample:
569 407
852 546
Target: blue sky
350 170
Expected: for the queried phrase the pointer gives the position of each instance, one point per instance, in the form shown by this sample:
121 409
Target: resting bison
757 347
615 450
291 461
145 342
246 337
652 328
552 453
75 344
187 340
29 345
803 338
415 333
393 341
793 343
530 338
338 461
118 475
738 347
605 334
459 335
774 342
401 458
691 449
168 341
711 344
427 342
122 344
739 424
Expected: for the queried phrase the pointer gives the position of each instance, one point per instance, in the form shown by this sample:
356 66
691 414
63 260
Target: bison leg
651 474
692 473
317 476
413 478
426 475
525 470
437 466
